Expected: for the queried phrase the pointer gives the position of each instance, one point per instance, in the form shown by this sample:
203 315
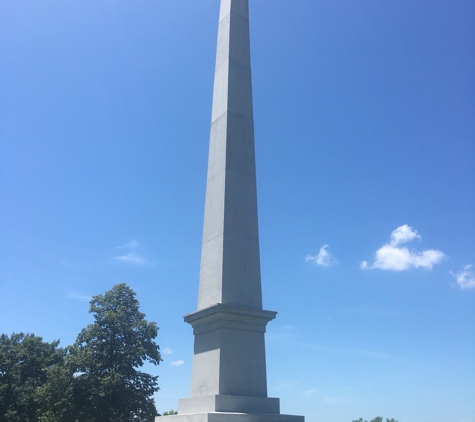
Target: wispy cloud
279 333
324 258
370 354
80 297
371 311
285 385
132 258
177 363
465 278
396 257
313 394
309 393
366 354
131 245
167 351
332 400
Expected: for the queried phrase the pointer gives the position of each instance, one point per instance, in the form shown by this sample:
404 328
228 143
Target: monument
229 382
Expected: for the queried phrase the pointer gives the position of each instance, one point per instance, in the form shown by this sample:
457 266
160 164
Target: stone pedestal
229 356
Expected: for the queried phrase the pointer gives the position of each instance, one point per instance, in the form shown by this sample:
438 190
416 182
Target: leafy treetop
376 419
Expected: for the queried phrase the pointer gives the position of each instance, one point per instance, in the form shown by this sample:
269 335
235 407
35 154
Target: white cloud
375 311
367 354
132 258
167 351
177 363
285 385
403 234
309 393
332 400
324 258
82 298
131 245
392 256
277 333
465 278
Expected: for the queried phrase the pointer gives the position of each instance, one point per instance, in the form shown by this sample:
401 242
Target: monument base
229 404
223 408
230 417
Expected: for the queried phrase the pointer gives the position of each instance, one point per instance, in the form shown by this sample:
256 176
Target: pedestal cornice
220 315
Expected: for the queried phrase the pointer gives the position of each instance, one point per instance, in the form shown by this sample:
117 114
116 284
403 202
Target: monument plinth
229 381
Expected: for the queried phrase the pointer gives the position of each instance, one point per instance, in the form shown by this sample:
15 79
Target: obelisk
229 380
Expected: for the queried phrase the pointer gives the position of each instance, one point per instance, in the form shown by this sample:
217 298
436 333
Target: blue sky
365 127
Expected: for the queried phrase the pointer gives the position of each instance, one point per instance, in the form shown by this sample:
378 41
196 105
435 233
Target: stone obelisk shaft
229 382
229 368
230 269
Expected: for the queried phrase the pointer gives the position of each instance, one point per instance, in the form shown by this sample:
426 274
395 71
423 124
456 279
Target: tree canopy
24 360
94 380
109 351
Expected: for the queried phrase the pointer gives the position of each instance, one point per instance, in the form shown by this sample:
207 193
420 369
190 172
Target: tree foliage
170 412
24 361
376 419
96 379
107 354
59 396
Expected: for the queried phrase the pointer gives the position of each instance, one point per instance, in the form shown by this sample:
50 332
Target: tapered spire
230 269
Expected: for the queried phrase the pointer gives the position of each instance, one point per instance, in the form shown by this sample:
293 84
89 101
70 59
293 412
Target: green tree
24 360
107 384
376 419
60 396
170 412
